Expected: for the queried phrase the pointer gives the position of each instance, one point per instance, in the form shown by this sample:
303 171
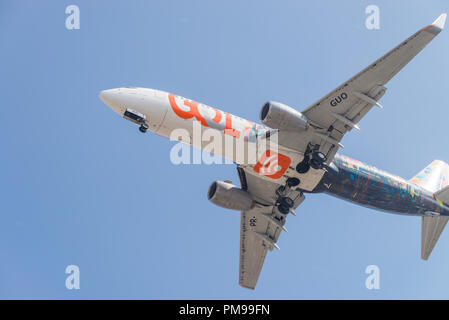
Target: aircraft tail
434 178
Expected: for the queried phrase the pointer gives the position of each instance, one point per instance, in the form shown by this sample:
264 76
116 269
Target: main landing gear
316 161
293 182
285 203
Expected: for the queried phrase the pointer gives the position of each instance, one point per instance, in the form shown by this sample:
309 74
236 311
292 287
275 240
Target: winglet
437 25
439 22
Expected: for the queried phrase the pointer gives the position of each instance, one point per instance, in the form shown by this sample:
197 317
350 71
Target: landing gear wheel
293 182
143 128
319 156
303 166
286 201
316 164
283 209
317 161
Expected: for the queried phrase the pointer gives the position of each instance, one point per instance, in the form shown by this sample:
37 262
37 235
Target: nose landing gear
137 118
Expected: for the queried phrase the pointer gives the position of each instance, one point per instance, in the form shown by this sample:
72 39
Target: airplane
301 157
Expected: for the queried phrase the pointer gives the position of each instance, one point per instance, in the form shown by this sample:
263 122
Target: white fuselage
217 132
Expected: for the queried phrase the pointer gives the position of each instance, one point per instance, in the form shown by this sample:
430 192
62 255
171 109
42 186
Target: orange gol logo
194 112
272 164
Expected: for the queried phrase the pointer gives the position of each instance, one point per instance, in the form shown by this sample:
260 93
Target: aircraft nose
111 98
107 96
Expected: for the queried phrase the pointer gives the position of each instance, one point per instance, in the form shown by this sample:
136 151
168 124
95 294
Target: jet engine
280 116
226 195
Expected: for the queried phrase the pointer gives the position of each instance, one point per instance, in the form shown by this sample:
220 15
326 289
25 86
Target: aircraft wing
260 227
341 110
330 118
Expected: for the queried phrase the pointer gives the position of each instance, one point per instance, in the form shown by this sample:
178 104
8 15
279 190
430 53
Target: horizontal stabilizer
433 178
431 229
443 195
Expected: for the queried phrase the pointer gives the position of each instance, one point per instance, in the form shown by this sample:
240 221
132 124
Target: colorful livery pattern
358 182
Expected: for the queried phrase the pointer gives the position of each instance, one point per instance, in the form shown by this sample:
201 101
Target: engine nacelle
280 116
226 195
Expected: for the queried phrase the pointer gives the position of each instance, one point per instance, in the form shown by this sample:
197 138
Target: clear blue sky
79 185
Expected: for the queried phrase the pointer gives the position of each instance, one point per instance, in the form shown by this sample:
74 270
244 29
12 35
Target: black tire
287 202
316 164
283 209
319 156
303 166
293 182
